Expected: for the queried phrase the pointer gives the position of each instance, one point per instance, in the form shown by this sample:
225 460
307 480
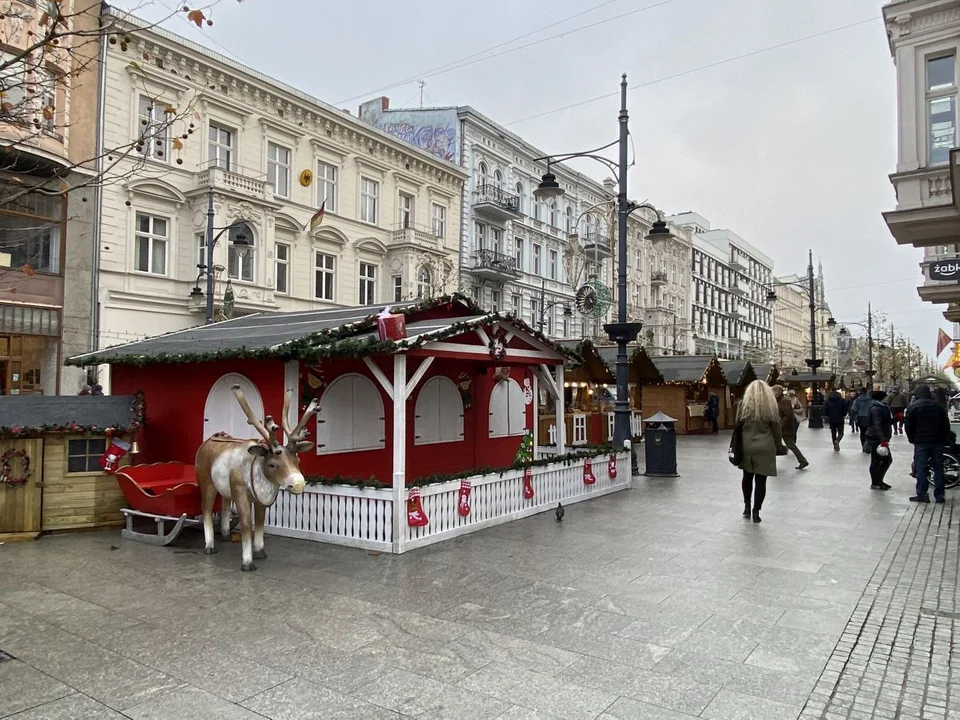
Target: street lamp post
621 332
567 311
869 327
240 241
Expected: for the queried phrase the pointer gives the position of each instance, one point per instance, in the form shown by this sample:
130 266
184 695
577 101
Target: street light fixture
239 240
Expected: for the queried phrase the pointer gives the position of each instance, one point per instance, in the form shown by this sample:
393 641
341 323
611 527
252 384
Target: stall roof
26 415
735 369
348 332
806 378
764 370
588 361
687 368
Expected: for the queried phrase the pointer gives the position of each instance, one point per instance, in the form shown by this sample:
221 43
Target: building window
31 232
520 199
550 316
569 219
278 169
240 263
151 244
481 235
496 234
221 147
536 259
368 283
201 249
327 186
283 268
553 264
554 215
369 200
515 305
534 313
942 107
495 300
439 221
482 169
325 276
518 253
498 178
397 288
154 132
47 99
13 83
83 455
424 282
405 211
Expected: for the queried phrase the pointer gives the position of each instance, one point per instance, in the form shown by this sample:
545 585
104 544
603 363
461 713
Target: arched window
508 409
424 283
521 202
498 178
351 416
569 219
482 168
439 413
554 216
240 259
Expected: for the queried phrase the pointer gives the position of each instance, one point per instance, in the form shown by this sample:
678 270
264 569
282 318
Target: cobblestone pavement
658 602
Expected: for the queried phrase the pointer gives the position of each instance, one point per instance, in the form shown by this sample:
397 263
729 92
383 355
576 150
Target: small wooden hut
686 384
740 373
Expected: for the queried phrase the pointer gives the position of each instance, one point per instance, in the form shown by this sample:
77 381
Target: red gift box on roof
391 326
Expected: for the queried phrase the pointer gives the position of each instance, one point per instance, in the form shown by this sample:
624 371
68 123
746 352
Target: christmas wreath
6 471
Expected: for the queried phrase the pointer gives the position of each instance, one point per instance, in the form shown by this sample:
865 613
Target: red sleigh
163 492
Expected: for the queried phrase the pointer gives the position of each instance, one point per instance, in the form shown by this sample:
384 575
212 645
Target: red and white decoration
463 499
588 477
612 467
110 460
528 484
391 326
415 515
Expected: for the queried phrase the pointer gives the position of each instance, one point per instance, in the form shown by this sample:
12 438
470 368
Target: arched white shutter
507 409
439 412
351 416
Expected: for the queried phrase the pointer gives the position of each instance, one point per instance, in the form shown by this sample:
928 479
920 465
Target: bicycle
951 469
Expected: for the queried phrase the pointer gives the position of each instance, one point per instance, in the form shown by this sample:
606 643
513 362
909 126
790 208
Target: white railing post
536 415
579 429
399 451
560 429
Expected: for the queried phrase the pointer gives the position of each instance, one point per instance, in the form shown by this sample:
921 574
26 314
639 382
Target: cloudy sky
788 147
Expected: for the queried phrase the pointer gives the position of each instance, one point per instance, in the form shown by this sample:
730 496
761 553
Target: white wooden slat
426 423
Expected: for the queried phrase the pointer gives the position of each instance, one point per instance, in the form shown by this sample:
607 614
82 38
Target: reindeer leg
242 501
259 516
225 520
208 495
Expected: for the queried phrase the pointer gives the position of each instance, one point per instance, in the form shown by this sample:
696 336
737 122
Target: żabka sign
945 270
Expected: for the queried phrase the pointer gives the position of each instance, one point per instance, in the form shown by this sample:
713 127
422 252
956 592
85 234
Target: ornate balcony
220 179
658 277
493 265
597 246
495 204
735 289
415 237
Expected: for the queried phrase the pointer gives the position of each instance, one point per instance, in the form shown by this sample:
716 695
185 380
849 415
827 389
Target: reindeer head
281 464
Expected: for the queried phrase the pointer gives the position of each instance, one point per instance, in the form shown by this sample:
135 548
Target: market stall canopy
806 378
766 371
316 334
32 415
739 372
692 369
590 367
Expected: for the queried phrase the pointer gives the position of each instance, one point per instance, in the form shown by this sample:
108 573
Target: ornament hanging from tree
588 477
528 484
415 515
525 451
612 467
463 499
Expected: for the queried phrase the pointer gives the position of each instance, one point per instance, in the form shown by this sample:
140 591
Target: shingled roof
687 368
31 415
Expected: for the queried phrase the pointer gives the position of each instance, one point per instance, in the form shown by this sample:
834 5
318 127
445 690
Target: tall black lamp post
240 234
808 287
621 332
868 325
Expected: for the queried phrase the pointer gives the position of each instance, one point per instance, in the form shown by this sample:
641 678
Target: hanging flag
317 217
942 341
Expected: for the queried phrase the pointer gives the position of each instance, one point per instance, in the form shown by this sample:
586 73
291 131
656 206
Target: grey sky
789 148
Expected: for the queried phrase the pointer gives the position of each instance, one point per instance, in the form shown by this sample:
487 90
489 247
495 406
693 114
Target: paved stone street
659 602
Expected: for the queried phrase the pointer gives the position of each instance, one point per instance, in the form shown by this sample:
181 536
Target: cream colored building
791 324
269 156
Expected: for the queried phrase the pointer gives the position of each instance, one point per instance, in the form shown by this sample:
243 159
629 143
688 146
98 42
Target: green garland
587 452
335 343
137 416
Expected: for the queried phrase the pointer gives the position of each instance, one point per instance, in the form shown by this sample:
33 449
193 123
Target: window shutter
368 427
450 411
517 409
499 423
427 427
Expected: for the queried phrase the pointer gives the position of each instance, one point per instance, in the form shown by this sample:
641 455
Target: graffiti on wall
433 131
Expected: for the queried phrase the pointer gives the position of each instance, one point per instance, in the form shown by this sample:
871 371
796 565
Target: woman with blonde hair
758 422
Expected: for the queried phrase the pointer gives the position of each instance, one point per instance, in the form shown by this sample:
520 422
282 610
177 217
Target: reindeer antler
285 418
299 432
251 418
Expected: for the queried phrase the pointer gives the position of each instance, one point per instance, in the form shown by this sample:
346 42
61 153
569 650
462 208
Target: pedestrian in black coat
835 408
879 430
927 426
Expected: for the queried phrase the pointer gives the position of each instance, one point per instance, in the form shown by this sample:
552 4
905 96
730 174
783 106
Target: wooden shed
50 450
740 373
686 384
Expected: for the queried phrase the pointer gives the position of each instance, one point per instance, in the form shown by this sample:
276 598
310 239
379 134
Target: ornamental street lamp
240 234
544 306
869 328
620 332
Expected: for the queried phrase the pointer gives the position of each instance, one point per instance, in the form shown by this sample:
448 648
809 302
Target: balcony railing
493 263
595 243
658 277
413 235
226 180
497 202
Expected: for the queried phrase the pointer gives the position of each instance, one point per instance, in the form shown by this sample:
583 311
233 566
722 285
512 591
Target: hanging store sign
945 270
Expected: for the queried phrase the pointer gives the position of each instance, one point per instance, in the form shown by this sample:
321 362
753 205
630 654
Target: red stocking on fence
528 484
588 476
463 504
415 515
612 467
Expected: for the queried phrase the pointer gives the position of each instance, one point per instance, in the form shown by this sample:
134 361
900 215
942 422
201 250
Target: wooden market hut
50 450
740 373
802 384
586 394
768 372
687 381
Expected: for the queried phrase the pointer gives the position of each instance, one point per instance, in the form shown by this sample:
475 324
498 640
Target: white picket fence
344 515
580 428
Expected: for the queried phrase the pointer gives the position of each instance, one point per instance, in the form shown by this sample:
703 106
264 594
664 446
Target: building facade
791 324
517 253
210 130
48 193
730 314
924 39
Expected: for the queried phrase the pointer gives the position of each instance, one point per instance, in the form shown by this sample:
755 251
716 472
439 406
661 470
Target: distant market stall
440 417
685 385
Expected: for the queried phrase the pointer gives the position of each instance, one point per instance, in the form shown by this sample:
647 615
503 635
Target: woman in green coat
759 421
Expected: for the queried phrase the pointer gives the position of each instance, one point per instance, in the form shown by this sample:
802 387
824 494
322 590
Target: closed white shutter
499 423
517 409
450 411
426 426
350 417
368 428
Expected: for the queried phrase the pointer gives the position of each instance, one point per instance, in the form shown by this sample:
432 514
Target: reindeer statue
250 473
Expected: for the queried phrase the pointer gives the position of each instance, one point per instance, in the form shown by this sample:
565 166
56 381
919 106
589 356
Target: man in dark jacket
928 429
861 408
898 406
878 432
712 412
836 411
788 425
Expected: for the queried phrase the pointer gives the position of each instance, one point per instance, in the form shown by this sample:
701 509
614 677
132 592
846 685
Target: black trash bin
815 419
660 440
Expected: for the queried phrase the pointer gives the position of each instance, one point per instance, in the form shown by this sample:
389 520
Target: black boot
746 510
756 515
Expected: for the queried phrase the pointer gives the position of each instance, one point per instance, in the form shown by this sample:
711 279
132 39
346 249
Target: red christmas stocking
527 484
110 459
588 476
415 515
463 506
612 467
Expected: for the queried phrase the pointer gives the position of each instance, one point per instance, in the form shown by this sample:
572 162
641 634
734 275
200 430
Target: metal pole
210 256
870 343
621 417
816 411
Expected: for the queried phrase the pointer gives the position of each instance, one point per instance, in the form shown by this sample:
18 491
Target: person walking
927 426
862 405
898 406
878 433
835 408
852 410
760 430
788 425
713 413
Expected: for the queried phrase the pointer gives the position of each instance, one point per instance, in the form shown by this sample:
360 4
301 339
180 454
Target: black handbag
735 454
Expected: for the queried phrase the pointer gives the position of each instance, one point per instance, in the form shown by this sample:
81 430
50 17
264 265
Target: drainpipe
98 198
463 208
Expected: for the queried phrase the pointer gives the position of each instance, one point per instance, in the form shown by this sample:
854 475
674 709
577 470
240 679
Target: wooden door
20 504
